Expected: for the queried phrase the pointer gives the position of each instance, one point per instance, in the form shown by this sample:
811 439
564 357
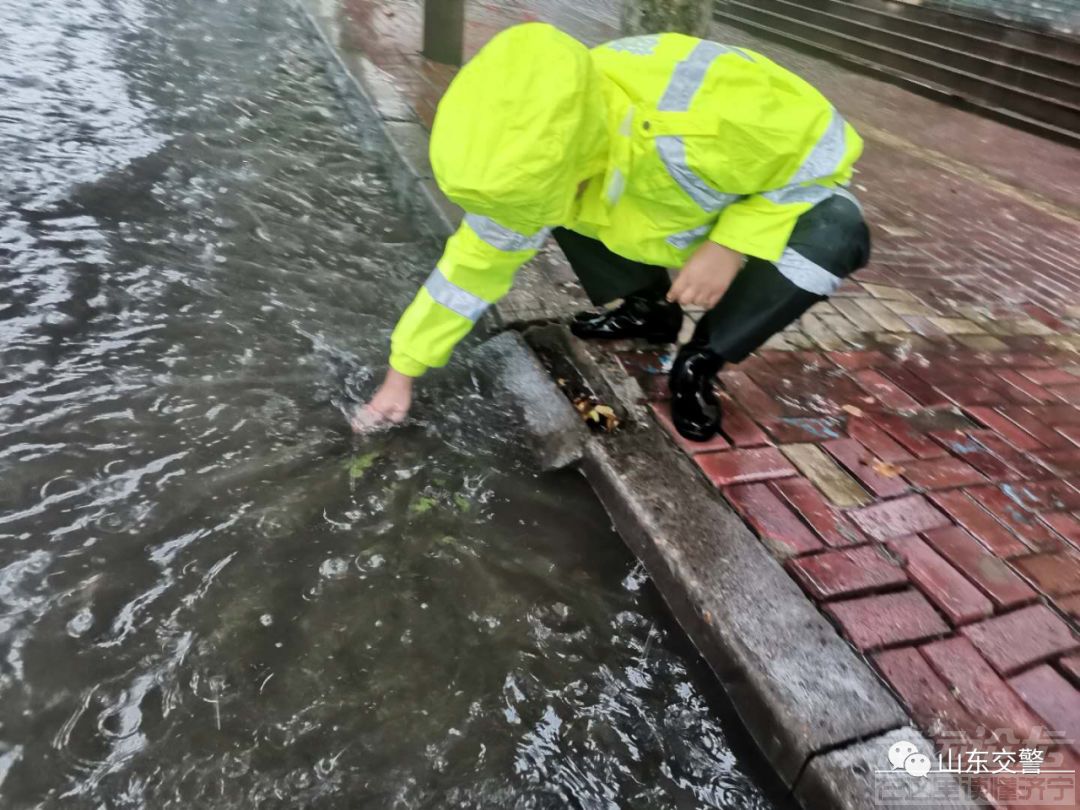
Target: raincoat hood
521 126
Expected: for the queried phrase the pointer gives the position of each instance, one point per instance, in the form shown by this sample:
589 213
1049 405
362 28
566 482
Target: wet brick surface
980 690
1048 694
989 573
775 524
923 693
1022 638
851 572
946 587
887 620
744 466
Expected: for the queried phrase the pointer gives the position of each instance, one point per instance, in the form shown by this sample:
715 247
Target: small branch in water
648 644
216 685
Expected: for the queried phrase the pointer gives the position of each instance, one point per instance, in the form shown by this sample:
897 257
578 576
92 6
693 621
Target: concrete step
996 30
1028 109
886 25
841 18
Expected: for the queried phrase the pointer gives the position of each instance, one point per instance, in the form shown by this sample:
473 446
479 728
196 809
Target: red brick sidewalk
911 449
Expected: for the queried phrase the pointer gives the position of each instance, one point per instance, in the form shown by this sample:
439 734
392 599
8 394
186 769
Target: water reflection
210 595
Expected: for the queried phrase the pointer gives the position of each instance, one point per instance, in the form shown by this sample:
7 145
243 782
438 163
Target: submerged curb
371 97
554 429
815 708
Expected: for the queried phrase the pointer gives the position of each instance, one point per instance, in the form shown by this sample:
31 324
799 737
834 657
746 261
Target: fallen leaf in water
886 469
605 412
592 411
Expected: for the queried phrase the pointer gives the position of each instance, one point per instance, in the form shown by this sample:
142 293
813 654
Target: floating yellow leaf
591 411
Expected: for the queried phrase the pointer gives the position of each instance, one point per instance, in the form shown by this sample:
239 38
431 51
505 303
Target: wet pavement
210 594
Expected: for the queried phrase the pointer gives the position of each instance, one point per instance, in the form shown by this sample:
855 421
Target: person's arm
476 269
759 225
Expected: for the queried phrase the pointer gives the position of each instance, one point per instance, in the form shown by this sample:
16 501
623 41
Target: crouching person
636 156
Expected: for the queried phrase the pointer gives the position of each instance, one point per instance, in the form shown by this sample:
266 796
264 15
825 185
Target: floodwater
213 596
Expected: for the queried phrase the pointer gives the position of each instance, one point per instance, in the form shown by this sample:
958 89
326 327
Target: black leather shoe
656 321
695 408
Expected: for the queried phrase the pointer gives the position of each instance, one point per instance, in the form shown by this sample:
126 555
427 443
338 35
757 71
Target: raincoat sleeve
761 224
476 269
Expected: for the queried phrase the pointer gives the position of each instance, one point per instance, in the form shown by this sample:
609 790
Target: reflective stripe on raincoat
680 140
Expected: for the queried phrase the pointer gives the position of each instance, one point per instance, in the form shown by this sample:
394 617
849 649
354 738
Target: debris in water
359 466
595 413
422 506
217 685
648 644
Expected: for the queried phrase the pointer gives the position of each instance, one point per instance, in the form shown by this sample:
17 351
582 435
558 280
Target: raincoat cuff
404 364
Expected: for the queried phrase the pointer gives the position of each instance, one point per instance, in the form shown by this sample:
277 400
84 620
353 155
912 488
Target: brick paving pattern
910 450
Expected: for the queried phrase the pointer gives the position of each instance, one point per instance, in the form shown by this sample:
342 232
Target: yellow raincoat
680 140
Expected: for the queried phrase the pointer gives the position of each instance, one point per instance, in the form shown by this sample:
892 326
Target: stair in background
1027 78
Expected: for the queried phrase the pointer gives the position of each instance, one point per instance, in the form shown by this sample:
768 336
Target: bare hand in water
388 407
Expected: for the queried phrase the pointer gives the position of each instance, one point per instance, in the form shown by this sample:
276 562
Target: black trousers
764 298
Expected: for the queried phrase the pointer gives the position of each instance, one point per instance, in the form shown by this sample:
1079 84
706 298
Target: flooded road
211 595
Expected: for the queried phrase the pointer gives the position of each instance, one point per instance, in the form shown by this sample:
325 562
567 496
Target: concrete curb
556 431
844 779
815 708
784 666
602 373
